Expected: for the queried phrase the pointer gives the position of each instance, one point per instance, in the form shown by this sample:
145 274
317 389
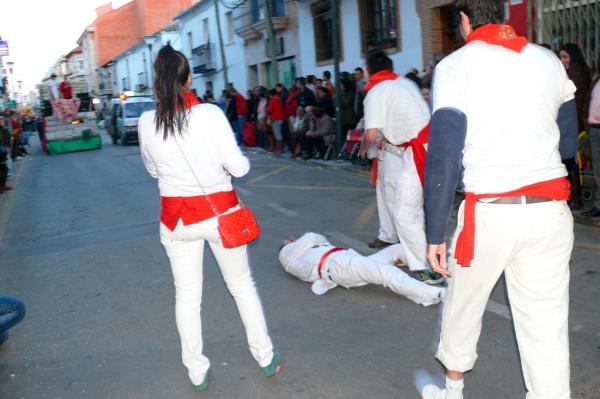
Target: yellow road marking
586 245
271 173
285 186
5 211
362 219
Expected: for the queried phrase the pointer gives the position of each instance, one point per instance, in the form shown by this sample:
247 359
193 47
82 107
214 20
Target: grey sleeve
568 126
447 135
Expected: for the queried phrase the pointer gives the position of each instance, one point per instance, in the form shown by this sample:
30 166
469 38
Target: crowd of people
16 128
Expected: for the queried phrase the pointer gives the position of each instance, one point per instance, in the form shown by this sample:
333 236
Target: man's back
511 101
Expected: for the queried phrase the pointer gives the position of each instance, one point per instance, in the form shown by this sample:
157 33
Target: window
205 31
380 24
323 30
125 84
190 43
229 21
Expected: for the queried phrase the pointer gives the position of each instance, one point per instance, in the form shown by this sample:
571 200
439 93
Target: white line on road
244 191
350 242
499 309
285 211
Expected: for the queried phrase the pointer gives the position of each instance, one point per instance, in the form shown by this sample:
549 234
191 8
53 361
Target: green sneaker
274 367
428 277
204 384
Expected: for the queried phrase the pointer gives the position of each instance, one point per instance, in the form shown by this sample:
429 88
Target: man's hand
436 255
310 134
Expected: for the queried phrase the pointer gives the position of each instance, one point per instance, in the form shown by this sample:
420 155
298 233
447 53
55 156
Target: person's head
317 112
300 112
290 240
318 84
322 92
300 83
310 79
280 88
475 13
171 77
426 91
326 75
378 61
570 54
310 111
53 76
232 90
65 78
358 74
347 85
273 92
415 79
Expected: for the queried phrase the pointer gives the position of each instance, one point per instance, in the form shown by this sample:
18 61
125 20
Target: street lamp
20 85
149 40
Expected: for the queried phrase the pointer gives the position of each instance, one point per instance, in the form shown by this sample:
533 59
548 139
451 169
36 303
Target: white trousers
350 269
532 245
387 230
185 248
404 199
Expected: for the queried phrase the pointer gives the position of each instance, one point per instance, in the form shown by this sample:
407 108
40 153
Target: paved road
79 244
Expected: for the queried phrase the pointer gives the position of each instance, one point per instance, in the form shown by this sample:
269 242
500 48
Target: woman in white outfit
190 148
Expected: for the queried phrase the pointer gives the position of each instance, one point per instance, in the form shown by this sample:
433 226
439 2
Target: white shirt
397 108
300 259
594 114
511 102
209 145
53 89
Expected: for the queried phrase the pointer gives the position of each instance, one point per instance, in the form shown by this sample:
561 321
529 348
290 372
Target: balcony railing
203 59
251 20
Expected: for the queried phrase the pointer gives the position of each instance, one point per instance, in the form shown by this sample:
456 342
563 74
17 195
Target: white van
124 117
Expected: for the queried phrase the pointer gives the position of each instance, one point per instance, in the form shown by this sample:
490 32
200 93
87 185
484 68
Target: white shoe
433 392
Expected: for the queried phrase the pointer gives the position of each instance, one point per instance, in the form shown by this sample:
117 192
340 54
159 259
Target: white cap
322 285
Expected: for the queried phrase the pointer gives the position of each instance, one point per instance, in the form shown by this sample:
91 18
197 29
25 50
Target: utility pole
336 73
272 45
221 46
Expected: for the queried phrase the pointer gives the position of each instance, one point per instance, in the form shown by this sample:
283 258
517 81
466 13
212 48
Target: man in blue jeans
12 311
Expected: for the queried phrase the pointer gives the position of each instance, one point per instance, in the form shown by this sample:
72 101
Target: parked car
121 120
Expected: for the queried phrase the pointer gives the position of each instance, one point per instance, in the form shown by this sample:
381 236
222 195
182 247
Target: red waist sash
419 155
555 189
194 209
326 255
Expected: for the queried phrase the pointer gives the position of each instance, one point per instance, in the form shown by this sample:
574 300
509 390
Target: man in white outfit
313 259
395 106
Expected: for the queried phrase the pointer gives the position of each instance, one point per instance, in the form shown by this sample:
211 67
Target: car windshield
134 110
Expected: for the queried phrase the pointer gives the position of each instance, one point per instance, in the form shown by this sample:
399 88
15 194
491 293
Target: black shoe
305 156
592 213
377 243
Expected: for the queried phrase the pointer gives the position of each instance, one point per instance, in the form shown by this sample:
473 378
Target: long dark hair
575 54
171 72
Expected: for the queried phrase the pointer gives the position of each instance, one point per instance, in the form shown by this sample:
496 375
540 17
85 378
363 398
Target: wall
518 16
409 56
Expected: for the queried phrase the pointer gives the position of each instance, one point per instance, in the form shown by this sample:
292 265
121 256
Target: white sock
454 388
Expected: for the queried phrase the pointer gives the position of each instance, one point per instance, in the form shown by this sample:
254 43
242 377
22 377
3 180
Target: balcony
203 59
251 22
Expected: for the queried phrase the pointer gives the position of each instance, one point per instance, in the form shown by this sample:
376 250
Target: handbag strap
210 203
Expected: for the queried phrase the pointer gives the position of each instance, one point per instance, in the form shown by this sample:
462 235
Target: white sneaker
433 392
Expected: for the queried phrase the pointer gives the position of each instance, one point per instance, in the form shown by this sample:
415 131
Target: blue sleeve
447 135
568 126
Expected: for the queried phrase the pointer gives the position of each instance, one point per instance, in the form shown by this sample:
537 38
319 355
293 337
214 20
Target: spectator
321 131
305 97
241 108
360 82
230 110
66 89
414 76
426 91
347 99
594 137
276 115
222 100
310 83
325 102
285 128
263 129
12 311
52 88
299 128
4 150
578 71
328 83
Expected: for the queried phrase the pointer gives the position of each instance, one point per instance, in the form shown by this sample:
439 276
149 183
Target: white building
87 42
200 43
392 25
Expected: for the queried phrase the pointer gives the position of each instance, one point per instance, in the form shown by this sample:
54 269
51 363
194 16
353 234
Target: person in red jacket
242 112
291 106
276 115
66 89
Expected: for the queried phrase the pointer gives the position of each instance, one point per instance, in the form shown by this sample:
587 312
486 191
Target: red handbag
235 228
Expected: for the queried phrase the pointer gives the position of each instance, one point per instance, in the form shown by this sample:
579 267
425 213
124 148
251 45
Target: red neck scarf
499 35
189 99
379 77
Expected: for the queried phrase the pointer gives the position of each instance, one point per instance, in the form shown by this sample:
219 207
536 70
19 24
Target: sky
40 31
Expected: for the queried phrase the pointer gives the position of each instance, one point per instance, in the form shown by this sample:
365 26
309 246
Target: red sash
194 209
190 99
555 189
419 155
379 77
326 255
499 35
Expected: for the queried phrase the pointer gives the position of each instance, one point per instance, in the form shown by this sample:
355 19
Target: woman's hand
436 255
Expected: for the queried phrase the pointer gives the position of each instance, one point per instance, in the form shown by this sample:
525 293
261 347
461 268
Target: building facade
393 26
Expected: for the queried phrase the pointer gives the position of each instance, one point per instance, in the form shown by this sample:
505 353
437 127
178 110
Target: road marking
5 211
281 209
362 219
244 191
498 309
288 187
350 242
271 173
586 245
